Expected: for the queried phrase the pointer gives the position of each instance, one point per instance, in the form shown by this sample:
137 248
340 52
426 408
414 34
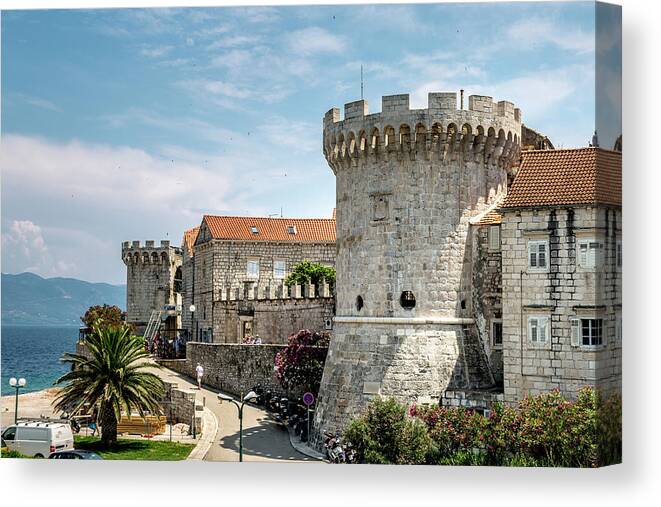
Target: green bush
544 430
387 435
310 272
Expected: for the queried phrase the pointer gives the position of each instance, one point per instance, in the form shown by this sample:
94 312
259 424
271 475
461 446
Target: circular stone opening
359 303
407 300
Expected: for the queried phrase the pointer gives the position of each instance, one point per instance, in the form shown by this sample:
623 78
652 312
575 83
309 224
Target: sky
126 124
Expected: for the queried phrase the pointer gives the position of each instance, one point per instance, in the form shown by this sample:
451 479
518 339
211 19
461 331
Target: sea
34 353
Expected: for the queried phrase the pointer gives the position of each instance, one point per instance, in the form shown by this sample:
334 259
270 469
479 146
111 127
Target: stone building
561 236
408 183
234 276
454 288
153 283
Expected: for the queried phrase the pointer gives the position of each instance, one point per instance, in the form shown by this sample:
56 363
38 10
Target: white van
38 439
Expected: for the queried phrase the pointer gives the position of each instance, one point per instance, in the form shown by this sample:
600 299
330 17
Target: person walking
199 370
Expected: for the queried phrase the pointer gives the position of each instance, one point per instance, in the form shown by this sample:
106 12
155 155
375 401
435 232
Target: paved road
263 438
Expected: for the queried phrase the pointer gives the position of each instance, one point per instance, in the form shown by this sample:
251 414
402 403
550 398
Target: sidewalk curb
302 448
209 430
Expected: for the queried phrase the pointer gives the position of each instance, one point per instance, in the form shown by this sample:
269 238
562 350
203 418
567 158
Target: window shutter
494 237
575 332
532 255
583 255
543 330
542 255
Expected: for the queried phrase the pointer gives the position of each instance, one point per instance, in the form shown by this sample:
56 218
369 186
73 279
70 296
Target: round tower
407 183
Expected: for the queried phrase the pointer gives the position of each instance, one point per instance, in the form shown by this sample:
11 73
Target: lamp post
16 384
192 321
248 397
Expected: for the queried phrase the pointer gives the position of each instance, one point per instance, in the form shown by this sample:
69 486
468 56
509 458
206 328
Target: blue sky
130 124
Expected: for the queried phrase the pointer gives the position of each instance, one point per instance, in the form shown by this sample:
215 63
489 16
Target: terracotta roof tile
490 218
303 230
566 177
189 238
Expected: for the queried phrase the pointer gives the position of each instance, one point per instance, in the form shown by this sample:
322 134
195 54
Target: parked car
75 454
38 439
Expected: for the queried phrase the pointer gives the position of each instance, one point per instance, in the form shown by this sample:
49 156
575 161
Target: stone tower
407 183
153 279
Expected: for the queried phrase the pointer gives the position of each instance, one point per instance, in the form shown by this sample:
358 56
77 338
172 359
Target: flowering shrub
545 430
301 363
385 435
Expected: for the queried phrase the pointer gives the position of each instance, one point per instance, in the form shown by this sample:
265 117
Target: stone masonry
407 183
150 279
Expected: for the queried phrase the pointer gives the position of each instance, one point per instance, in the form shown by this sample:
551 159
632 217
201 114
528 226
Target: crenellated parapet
133 252
487 132
275 292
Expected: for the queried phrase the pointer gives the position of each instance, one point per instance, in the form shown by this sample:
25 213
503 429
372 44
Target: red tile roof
567 177
189 238
490 218
308 230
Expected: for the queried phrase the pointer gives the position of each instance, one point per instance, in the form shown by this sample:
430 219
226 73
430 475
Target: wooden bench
137 425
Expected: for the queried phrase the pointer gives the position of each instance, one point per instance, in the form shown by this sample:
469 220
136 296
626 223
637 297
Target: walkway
263 438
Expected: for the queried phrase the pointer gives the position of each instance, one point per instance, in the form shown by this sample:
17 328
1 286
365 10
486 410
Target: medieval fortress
474 263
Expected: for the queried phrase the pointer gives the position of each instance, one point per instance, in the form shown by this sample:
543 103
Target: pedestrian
258 340
93 424
200 372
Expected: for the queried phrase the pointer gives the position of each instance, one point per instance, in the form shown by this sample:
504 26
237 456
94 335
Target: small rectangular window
254 229
589 253
252 269
538 254
494 238
291 229
538 329
279 269
587 332
496 333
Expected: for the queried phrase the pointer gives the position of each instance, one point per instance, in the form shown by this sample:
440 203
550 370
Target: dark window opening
463 304
359 303
407 300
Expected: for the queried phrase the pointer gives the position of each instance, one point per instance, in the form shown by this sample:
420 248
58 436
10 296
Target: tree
301 363
114 378
103 316
311 272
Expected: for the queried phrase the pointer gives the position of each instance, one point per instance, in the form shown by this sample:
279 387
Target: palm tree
113 376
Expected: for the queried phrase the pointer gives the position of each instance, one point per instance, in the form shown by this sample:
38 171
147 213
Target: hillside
30 300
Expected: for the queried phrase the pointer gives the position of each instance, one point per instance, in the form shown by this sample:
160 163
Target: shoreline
35 405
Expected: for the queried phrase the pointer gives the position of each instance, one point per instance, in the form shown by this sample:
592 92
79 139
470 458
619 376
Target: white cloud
233 41
314 40
155 51
534 32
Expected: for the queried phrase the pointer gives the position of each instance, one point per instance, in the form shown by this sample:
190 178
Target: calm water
34 353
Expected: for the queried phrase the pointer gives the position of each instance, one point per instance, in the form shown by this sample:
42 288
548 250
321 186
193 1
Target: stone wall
273 320
231 368
222 265
150 274
487 295
562 292
408 182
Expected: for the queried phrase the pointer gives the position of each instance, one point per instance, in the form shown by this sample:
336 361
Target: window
291 229
407 300
618 329
279 269
538 254
494 238
587 332
359 303
538 330
496 333
9 434
254 230
589 253
252 269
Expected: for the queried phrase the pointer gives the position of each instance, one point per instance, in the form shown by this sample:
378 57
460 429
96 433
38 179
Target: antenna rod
361 81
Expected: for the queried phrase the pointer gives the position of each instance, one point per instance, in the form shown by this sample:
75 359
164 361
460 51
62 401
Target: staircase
152 326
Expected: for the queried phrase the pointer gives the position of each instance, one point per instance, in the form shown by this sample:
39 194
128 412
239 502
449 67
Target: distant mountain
30 300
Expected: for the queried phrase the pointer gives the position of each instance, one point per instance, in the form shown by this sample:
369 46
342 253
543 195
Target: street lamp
248 397
17 384
192 320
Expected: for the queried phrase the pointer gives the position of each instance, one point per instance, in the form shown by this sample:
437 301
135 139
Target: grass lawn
152 450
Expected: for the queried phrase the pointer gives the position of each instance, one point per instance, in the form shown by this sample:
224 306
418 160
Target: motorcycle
334 450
